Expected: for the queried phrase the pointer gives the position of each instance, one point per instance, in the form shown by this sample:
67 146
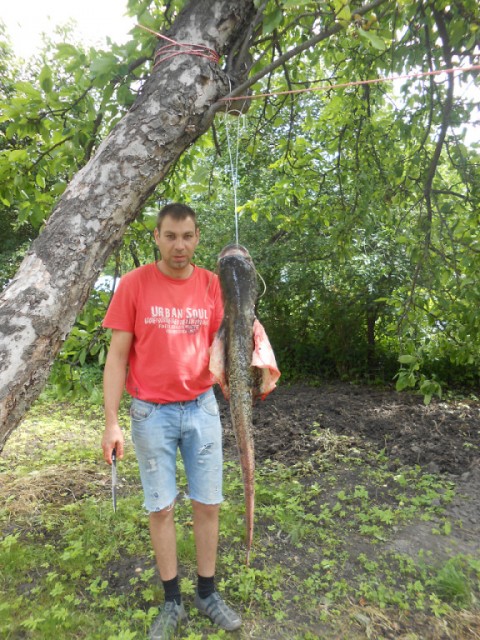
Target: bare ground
293 425
442 438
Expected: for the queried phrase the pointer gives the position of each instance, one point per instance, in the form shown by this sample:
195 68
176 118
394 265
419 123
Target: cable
355 83
233 164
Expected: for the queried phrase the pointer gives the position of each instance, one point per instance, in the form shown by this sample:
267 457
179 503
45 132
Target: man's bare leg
164 541
205 530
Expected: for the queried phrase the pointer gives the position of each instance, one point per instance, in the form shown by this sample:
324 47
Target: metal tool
114 479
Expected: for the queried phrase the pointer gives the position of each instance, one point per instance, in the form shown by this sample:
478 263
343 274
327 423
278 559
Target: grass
323 565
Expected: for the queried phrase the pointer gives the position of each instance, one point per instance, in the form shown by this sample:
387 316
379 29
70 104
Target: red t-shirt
173 322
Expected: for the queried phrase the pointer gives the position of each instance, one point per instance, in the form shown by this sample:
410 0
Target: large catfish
242 361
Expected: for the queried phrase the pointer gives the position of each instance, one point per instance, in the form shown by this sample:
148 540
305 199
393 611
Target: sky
96 19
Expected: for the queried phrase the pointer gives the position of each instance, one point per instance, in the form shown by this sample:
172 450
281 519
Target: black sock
172 590
206 586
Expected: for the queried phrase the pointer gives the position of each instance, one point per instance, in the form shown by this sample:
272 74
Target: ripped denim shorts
158 430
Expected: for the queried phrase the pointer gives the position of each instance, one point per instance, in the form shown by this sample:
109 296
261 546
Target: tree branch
446 112
288 55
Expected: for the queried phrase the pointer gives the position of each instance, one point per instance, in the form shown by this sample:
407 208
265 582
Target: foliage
359 204
55 111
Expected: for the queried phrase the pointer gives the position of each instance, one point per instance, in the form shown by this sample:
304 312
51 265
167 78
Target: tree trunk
39 307
371 320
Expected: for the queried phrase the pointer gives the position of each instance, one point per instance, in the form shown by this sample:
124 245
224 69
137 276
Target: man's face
177 241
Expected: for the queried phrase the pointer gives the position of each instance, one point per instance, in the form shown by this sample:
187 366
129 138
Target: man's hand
113 384
112 439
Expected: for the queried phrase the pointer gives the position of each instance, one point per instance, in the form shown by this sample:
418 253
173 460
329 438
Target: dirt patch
27 494
442 437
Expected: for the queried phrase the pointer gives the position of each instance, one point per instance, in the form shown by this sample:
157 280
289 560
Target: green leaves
45 79
17 155
373 39
104 64
272 20
408 359
342 11
361 279
53 116
296 4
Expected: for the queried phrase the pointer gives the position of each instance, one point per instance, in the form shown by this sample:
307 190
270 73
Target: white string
233 162
234 173
264 285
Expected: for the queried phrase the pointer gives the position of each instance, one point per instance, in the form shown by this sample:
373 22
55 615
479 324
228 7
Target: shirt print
178 320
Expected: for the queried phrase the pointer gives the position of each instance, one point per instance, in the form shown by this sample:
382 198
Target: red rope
166 52
355 83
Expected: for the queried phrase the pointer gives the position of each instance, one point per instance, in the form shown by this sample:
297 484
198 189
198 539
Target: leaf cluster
358 202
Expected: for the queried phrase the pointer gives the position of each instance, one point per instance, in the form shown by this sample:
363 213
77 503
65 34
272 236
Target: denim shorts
193 427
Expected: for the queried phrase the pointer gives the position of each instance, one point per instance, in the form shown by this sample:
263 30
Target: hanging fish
242 361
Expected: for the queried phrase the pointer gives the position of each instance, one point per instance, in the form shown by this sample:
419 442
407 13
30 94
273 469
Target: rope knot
174 48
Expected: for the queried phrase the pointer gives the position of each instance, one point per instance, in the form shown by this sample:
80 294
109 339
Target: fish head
234 250
238 277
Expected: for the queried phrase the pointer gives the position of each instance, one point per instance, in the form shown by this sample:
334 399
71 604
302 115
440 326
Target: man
164 316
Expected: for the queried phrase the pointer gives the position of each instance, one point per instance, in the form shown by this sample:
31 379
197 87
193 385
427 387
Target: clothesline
166 52
354 83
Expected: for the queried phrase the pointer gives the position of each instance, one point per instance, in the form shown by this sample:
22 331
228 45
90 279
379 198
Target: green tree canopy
359 202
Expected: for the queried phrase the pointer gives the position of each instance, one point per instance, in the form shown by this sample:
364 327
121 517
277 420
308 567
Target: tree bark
39 307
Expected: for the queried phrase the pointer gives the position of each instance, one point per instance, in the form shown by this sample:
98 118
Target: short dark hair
177 211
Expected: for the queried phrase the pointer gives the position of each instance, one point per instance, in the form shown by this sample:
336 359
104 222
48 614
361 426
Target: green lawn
322 564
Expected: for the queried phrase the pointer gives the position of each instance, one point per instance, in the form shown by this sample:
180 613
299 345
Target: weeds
71 568
452 583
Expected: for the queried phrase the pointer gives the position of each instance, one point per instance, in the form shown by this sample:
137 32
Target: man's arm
113 384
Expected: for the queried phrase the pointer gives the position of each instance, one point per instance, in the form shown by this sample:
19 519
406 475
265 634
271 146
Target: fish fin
217 362
263 359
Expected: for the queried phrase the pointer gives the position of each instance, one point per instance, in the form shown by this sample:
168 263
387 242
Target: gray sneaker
218 611
168 621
